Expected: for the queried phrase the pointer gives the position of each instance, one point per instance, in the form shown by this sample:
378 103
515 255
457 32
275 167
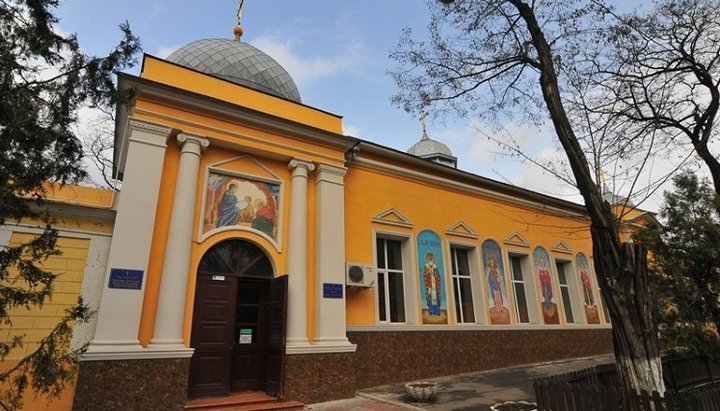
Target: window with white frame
462 285
519 287
390 278
567 288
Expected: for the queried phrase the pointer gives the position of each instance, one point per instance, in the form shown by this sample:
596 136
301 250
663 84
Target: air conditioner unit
359 275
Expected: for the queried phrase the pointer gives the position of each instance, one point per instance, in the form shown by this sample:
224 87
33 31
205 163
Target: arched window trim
236 258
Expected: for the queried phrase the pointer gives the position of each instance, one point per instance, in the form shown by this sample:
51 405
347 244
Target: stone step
264 406
242 401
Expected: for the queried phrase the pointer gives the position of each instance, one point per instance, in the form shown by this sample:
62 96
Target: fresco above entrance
234 201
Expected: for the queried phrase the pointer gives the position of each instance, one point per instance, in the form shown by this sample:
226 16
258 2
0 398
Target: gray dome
428 147
239 63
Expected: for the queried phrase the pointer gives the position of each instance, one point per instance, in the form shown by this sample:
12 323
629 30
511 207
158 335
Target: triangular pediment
392 216
643 219
246 165
462 229
562 247
517 239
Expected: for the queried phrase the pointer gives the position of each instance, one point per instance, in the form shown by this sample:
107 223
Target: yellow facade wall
63 402
72 194
182 78
37 322
434 207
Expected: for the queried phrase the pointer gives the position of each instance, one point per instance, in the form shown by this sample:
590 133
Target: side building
84 218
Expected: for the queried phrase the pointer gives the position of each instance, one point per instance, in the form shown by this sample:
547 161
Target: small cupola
432 150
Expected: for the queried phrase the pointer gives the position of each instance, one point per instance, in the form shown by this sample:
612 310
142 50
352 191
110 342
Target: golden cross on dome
423 120
239 12
238 30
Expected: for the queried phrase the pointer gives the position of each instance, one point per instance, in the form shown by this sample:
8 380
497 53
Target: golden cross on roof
238 30
239 12
423 117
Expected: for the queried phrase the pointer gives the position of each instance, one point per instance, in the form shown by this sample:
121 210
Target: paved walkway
464 392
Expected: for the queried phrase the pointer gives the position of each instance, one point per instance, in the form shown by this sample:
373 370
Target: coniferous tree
685 268
44 78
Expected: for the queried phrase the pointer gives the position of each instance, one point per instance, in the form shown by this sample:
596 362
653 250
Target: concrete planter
422 391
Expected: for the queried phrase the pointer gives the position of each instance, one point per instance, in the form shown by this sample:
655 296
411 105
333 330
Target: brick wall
385 357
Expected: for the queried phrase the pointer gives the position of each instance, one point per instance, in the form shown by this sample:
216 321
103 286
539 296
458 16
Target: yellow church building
254 247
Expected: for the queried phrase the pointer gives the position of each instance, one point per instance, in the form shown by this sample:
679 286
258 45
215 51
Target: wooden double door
238 324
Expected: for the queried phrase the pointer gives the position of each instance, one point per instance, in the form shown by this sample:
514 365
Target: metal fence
692 383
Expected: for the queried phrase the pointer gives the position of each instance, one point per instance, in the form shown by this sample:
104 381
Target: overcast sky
337 53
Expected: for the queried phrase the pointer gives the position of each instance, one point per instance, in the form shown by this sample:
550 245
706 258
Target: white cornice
330 174
321 349
144 354
150 127
62 231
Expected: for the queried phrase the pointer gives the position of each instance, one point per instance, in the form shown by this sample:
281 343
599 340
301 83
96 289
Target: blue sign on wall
331 290
125 279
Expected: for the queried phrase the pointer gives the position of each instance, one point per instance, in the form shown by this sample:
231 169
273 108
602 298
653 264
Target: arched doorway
238 329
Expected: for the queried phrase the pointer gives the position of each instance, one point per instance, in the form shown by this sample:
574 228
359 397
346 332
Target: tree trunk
621 268
702 133
711 162
637 355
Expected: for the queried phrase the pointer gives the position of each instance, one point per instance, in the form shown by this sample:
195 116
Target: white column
118 318
330 325
176 268
297 257
92 286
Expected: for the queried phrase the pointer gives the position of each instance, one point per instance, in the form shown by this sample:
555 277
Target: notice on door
245 336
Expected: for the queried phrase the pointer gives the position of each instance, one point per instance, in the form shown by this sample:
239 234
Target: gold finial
238 30
423 117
